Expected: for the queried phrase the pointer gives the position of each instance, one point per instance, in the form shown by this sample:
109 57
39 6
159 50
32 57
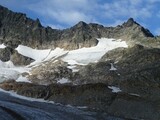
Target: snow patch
114 89
2 46
63 81
82 107
6 74
73 62
22 79
8 64
134 94
73 68
112 67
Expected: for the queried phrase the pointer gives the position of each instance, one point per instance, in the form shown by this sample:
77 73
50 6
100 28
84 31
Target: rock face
5 54
51 72
9 53
20 60
16 28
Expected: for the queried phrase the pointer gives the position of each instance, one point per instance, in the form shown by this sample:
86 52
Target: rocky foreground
124 82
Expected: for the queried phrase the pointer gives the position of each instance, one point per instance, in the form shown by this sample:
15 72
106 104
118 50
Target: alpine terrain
86 72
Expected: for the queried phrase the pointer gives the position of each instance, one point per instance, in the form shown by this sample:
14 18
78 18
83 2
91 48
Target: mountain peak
81 24
130 22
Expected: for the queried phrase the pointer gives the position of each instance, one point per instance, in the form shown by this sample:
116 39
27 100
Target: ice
114 89
2 46
63 81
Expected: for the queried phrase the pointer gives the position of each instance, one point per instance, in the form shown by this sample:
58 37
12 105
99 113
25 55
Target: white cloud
130 8
69 17
66 11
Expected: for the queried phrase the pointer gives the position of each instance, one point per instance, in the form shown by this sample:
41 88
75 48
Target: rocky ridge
16 28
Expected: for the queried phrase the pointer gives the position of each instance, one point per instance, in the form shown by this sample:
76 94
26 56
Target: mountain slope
108 70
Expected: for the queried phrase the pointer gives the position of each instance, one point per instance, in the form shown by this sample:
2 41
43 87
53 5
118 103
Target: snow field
82 56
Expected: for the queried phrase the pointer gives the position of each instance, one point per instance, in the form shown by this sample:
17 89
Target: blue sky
66 13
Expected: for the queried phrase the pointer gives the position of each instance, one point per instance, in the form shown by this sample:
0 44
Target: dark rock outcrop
9 53
5 54
20 60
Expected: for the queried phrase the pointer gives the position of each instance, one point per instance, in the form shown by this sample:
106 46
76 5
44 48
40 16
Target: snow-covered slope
35 54
40 55
7 64
81 56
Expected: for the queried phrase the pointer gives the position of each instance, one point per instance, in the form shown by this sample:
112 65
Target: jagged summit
17 27
130 22
81 24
